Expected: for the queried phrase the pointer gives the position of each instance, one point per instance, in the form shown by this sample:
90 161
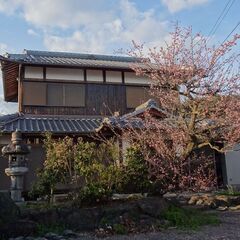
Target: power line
221 18
231 33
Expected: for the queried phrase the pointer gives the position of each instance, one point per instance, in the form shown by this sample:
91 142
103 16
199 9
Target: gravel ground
229 229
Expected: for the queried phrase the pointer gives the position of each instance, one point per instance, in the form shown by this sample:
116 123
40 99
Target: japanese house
71 94
65 94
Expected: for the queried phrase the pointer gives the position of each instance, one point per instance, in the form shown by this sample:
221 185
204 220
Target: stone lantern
17 165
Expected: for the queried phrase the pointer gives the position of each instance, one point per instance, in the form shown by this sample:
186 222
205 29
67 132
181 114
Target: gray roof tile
133 119
54 124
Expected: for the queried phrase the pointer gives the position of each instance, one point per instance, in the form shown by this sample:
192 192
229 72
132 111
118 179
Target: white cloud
9 7
58 13
78 41
100 26
32 32
7 108
178 5
126 24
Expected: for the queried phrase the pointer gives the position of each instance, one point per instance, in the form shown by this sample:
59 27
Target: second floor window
135 96
53 94
71 95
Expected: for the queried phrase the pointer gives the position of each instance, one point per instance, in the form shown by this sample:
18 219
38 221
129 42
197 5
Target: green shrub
92 169
97 166
96 163
42 229
230 191
92 194
134 175
57 167
120 229
189 218
45 184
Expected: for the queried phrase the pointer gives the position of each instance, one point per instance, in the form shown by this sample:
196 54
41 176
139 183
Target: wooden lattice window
71 95
34 93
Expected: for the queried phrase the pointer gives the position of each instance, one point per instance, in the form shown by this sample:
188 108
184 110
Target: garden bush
45 184
93 171
91 194
90 168
134 174
184 218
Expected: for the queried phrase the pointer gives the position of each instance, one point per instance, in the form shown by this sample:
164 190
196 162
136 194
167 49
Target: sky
105 26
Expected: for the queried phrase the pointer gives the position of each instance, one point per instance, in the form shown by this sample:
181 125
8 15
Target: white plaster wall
34 72
113 76
130 77
233 166
65 74
94 75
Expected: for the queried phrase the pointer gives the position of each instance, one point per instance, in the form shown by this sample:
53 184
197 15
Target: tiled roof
123 123
134 119
73 59
150 105
75 124
54 124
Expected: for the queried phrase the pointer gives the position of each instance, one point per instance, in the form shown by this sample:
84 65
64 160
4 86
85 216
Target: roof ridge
62 116
90 56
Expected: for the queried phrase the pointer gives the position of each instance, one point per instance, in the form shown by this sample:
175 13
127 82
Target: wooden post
20 89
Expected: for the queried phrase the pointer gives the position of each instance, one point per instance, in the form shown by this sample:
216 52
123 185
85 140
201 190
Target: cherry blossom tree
198 89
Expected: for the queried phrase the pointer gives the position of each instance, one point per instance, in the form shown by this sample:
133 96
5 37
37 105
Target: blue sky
104 26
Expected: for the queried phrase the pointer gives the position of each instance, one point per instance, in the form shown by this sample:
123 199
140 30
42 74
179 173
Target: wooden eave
10 72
